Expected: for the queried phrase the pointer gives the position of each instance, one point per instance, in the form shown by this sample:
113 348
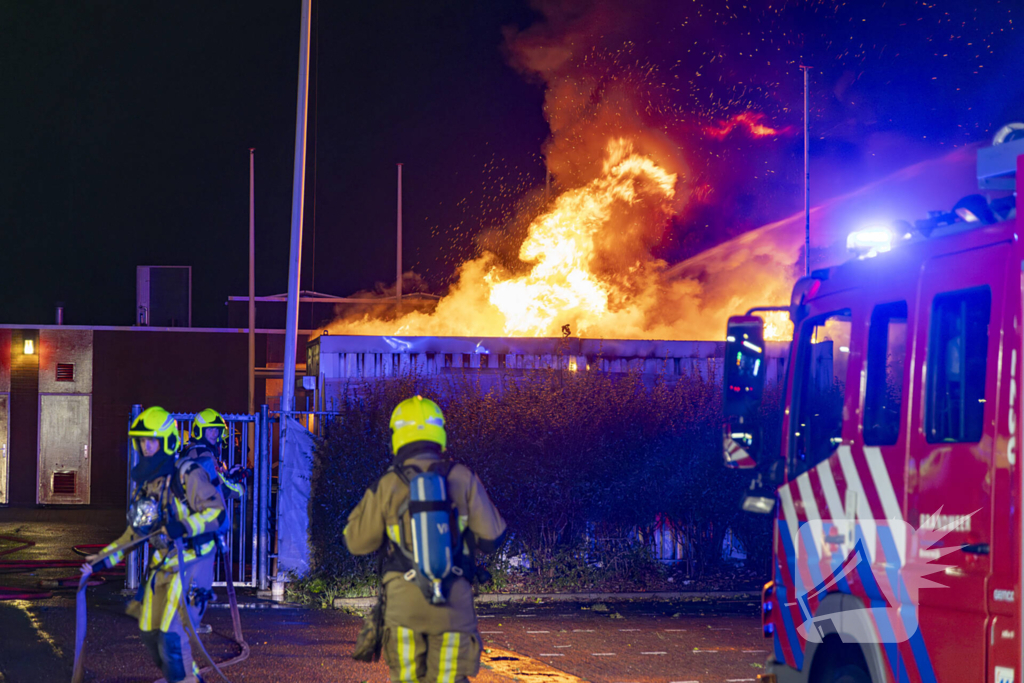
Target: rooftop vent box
997 165
163 296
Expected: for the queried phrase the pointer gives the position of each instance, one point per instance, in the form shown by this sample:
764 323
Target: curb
501 598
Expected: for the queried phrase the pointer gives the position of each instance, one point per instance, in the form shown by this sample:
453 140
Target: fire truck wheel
851 673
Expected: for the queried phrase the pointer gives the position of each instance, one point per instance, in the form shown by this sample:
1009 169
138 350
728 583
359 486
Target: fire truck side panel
899 531
1003 592
826 488
942 454
951 464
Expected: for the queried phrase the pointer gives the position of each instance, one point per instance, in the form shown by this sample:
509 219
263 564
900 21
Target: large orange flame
562 284
777 326
585 268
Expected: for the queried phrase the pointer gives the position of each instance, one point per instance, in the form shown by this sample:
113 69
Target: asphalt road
641 642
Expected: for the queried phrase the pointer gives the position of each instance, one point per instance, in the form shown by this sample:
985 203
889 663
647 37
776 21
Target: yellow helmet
156 423
417 419
206 419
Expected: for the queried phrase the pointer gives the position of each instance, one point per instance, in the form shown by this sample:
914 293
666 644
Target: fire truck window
957 354
824 351
887 351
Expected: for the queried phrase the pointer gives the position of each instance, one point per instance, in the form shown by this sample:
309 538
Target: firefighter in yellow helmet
206 449
430 628
188 509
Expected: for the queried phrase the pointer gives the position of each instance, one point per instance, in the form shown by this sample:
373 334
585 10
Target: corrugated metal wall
340 361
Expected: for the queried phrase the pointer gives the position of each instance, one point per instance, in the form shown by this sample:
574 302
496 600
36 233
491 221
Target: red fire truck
897 489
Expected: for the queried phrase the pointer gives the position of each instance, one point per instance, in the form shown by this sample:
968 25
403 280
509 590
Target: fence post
131 573
262 477
252 441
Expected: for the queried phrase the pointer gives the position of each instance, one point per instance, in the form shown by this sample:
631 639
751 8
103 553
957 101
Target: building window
65 372
887 353
824 353
957 358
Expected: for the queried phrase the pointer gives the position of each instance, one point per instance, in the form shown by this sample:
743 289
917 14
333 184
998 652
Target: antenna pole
398 259
807 183
252 283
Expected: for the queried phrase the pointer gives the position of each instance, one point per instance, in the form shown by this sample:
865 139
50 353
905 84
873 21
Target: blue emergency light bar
870 241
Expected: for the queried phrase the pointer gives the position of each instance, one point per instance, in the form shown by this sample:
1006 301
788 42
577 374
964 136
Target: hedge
582 465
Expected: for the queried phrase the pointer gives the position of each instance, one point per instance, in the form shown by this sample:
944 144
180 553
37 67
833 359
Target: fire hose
24 566
78 673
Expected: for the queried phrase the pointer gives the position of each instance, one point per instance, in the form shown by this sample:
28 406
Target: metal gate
248 435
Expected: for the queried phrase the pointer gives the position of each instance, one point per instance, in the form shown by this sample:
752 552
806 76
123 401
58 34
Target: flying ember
751 122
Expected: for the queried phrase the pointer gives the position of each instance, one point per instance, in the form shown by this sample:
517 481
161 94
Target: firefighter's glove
175 529
236 473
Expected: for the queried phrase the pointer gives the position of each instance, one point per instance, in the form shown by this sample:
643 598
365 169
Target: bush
582 465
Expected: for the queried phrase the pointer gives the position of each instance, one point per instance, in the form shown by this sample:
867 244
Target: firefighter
187 513
424 640
206 449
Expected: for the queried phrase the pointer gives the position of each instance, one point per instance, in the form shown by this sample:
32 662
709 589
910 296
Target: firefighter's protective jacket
202 453
376 517
197 505
201 511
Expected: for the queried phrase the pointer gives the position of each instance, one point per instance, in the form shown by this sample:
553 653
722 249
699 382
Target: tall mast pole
398 279
807 183
298 194
252 283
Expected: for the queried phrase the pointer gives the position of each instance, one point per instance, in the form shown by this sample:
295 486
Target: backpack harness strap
398 558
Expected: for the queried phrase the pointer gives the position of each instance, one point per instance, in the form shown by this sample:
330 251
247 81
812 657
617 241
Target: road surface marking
513 665
538 631
675 630
550 654
602 654
756 651
563 645
583 630
485 616
491 631
708 651
629 629
654 653
738 680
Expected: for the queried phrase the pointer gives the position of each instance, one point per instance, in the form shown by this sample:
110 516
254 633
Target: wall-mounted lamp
30 347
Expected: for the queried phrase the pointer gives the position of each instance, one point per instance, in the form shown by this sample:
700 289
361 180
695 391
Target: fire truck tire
851 673
839 662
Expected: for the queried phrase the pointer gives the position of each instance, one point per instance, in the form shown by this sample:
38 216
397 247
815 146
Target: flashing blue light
870 241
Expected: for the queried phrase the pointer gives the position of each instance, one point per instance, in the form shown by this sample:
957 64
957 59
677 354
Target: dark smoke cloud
892 84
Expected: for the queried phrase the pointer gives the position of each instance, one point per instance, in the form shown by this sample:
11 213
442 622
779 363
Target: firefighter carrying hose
206 450
189 509
431 515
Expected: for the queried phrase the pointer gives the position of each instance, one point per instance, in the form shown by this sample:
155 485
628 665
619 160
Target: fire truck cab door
950 461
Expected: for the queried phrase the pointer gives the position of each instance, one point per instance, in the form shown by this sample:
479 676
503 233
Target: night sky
125 126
